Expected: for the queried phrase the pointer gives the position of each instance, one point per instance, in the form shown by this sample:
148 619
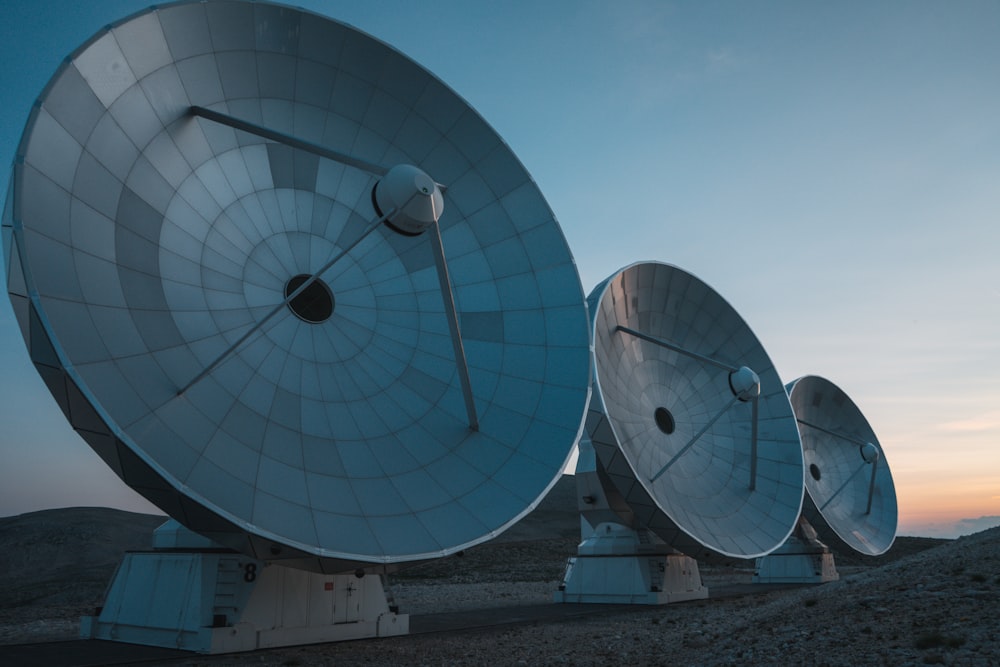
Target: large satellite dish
199 266
689 418
850 496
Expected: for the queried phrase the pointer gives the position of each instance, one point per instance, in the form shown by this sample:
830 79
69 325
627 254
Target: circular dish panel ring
850 495
184 176
688 404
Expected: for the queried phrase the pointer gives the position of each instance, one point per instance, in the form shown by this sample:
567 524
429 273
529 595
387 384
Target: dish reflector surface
143 242
840 448
676 374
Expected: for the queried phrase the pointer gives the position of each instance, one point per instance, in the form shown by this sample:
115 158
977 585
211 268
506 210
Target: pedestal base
216 601
616 566
796 562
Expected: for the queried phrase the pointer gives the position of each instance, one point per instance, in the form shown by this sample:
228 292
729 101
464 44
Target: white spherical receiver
745 384
410 199
869 452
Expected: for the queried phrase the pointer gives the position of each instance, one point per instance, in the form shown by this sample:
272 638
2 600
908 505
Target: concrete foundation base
216 601
796 562
617 565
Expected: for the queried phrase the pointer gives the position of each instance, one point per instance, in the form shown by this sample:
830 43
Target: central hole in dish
664 420
314 304
814 471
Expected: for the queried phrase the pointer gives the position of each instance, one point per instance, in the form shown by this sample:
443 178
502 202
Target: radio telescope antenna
695 441
850 497
294 291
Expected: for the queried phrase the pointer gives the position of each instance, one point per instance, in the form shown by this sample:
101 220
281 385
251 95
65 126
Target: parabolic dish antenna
850 497
689 417
198 262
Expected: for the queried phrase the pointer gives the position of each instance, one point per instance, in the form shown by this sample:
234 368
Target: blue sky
832 169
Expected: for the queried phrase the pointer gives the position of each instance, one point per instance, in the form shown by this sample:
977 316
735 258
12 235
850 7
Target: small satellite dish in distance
698 432
199 266
850 496
689 418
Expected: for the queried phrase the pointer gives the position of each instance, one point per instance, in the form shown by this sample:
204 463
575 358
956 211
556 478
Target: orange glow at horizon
945 494
942 450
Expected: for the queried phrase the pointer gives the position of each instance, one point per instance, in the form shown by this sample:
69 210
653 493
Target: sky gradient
832 170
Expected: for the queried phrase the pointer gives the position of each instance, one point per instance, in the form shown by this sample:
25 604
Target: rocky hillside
925 602
936 606
66 556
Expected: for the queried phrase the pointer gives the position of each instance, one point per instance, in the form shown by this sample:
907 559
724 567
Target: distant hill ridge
61 556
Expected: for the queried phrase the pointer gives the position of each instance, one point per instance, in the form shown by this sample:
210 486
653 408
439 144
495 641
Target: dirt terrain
925 602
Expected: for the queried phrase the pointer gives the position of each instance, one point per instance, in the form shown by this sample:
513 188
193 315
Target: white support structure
212 600
616 564
802 559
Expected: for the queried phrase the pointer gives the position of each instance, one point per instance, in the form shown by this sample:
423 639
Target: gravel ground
925 602
938 606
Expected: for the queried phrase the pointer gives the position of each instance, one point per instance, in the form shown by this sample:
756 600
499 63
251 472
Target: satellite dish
293 289
850 498
689 418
